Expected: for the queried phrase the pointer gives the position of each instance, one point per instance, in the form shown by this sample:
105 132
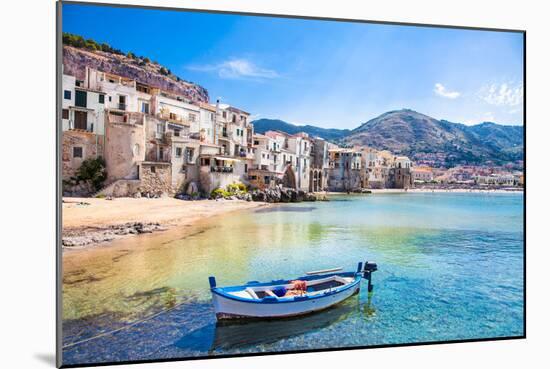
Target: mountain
329 134
440 142
79 53
424 139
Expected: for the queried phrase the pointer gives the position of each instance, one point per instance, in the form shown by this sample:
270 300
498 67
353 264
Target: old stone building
346 171
157 142
320 161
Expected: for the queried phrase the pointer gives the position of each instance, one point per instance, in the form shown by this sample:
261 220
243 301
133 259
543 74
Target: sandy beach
88 221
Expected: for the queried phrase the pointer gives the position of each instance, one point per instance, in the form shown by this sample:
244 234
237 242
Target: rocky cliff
76 59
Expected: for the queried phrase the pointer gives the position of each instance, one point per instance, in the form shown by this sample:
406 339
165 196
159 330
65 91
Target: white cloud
442 91
238 69
504 94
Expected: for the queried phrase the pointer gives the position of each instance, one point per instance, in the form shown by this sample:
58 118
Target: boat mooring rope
103 334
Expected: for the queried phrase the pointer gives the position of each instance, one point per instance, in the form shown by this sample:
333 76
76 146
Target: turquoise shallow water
450 267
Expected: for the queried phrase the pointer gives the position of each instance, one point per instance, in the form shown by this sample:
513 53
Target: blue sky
329 74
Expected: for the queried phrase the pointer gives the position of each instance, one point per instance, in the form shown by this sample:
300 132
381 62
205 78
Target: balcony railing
121 106
155 158
174 118
221 169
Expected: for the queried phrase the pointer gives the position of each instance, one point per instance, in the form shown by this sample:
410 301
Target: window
153 169
177 132
192 117
211 116
67 95
178 152
101 99
172 116
266 179
224 114
246 168
145 108
142 88
65 114
160 128
121 102
161 153
110 99
189 153
80 98
77 152
79 83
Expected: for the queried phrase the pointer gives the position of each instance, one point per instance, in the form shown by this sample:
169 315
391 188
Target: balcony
221 169
174 118
130 118
155 158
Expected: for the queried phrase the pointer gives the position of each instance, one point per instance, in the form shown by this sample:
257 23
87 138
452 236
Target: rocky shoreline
269 195
277 194
84 237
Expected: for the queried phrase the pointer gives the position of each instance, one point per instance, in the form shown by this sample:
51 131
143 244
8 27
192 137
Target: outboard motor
367 273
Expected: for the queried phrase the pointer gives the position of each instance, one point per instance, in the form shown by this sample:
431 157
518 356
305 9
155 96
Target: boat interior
293 288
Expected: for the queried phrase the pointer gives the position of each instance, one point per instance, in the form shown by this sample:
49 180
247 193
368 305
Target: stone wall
401 177
155 179
122 188
341 179
211 180
124 150
92 147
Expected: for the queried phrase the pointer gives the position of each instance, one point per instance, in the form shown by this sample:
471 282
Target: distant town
153 142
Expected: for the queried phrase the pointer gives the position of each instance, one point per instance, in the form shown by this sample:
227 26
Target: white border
27 184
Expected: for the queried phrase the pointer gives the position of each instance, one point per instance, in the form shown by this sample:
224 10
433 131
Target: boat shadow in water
238 334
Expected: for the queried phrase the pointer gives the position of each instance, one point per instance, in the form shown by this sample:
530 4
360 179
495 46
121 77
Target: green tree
93 170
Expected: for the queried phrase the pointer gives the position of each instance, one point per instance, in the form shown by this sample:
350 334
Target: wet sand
88 221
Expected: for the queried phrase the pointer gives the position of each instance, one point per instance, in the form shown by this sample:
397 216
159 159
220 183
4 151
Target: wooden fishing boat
313 292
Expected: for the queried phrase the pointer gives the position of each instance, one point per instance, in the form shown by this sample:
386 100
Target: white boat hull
227 308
